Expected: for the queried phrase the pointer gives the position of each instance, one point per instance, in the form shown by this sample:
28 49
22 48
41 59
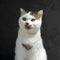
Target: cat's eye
33 20
24 18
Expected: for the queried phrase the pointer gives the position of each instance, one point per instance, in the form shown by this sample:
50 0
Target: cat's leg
19 57
42 55
39 55
20 53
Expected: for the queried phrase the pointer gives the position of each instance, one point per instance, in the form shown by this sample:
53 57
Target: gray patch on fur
27 46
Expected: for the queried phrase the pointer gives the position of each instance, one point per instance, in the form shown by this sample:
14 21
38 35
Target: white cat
29 45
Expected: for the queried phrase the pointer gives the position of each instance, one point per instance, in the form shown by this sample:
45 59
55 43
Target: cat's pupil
33 20
24 18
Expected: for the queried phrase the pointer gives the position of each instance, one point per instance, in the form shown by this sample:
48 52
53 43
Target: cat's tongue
28 27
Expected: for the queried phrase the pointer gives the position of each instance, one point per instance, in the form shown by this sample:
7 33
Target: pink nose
27 23
27 26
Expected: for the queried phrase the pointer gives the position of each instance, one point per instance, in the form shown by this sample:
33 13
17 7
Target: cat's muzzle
27 26
27 46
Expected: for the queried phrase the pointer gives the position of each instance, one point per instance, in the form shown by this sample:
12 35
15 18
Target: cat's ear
40 13
22 11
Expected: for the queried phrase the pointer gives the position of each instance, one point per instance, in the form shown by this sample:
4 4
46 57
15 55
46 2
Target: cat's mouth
28 27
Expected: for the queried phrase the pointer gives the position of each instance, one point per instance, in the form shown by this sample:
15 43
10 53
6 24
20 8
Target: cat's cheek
34 26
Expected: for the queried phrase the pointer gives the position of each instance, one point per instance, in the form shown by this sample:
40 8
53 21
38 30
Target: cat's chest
29 39
33 41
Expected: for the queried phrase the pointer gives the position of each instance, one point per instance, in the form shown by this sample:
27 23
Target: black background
9 14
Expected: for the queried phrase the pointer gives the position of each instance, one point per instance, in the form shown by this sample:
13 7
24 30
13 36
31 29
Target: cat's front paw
27 46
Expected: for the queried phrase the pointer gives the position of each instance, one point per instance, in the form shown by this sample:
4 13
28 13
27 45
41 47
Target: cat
29 44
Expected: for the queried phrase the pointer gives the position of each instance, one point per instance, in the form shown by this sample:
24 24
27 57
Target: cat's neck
38 33
31 37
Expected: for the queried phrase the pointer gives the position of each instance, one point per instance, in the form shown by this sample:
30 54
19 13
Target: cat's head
30 22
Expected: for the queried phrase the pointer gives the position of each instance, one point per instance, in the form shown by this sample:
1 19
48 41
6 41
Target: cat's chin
28 28
31 31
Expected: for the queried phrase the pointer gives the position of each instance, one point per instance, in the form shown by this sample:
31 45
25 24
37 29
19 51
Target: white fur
32 37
